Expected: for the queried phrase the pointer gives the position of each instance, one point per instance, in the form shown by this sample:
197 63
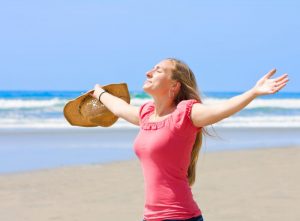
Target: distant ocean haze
44 109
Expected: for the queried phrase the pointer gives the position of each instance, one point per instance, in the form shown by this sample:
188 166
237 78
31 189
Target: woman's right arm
118 106
203 115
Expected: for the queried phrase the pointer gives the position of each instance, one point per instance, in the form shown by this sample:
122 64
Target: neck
163 106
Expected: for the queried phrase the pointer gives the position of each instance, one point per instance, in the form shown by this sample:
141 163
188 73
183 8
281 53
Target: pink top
164 149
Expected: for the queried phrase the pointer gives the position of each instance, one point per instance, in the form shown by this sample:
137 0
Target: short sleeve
182 116
145 110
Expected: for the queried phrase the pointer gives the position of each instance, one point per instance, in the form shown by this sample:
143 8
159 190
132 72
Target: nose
149 73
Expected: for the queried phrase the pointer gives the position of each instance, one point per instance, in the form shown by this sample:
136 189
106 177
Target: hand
97 91
266 85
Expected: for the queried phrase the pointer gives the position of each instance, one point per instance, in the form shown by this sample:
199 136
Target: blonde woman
170 135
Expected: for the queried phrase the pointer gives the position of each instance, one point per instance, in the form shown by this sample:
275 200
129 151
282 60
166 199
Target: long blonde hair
188 90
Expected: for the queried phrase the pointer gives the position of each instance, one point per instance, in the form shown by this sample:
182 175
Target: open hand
266 85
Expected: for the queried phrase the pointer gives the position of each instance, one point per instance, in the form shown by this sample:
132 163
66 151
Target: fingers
93 92
281 78
270 73
279 83
278 88
96 86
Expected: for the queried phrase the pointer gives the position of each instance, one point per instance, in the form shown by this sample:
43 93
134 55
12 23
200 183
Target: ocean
34 134
44 109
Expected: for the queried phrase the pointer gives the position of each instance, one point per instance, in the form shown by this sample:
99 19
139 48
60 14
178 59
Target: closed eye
158 69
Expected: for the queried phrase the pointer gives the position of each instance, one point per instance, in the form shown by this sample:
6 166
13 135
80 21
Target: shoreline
256 184
203 152
25 150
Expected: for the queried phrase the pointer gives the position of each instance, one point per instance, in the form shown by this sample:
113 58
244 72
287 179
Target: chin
147 89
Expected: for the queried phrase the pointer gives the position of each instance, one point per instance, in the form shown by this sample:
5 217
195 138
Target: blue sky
71 45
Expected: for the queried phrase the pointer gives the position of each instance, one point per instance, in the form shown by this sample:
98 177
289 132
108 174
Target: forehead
166 65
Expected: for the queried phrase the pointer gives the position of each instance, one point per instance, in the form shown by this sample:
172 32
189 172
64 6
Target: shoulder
146 108
182 115
187 105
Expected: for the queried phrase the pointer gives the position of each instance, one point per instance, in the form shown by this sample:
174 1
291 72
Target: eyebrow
158 67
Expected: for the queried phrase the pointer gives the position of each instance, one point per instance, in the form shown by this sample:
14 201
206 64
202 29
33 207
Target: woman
170 134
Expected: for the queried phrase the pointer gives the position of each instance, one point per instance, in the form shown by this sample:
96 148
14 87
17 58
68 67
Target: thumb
270 74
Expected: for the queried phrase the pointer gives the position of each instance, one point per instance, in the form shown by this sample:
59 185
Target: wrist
97 92
253 92
100 93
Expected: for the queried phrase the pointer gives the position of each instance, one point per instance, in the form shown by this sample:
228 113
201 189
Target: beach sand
243 185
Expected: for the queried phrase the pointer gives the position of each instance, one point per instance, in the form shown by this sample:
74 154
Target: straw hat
87 111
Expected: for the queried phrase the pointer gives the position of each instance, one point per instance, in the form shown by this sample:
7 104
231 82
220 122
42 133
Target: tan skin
159 84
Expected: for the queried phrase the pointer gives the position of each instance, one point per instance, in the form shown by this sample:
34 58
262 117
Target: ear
177 86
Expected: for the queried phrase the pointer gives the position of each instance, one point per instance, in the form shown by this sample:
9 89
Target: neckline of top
160 121
155 125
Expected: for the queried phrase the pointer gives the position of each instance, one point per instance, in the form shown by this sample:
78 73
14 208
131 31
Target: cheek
160 83
162 86
164 82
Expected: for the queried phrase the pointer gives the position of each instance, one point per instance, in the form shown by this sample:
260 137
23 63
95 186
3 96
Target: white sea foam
264 103
256 121
48 113
138 102
19 103
261 121
257 103
59 103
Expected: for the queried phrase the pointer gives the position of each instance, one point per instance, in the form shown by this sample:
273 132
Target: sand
244 185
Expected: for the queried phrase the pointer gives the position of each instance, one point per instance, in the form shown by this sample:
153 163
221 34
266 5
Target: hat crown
90 106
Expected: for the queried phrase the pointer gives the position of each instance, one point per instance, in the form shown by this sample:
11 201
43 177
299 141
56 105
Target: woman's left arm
203 115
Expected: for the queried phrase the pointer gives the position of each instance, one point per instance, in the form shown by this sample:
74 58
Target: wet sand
241 185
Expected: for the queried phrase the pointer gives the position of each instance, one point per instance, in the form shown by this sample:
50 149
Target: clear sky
72 44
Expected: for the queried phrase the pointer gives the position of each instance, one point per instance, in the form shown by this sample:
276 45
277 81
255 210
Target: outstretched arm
118 106
203 115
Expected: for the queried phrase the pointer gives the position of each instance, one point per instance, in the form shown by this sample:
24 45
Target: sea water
44 109
35 135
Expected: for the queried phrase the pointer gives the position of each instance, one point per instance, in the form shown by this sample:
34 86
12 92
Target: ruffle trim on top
153 125
189 107
146 125
183 110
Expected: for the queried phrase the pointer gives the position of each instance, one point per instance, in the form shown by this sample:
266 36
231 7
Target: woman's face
159 80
